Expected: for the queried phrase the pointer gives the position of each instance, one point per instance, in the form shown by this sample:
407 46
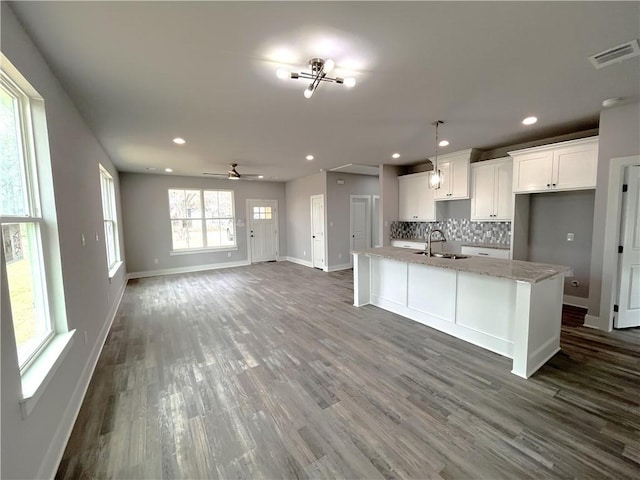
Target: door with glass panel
263 230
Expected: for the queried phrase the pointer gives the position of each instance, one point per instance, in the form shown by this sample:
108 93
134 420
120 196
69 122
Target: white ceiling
142 73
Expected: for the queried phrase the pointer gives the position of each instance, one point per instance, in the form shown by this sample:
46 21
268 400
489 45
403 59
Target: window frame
203 219
110 216
32 217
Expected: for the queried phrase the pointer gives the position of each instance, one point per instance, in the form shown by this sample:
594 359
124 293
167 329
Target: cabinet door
532 171
426 203
575 167
482 192
459 174
503 191
406 201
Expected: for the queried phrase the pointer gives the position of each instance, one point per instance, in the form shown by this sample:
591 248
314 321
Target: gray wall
619 137
299 213
551 217
389 201
148 231
32 446
339 211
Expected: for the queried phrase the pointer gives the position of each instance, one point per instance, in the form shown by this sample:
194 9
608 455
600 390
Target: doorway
263 230
317 231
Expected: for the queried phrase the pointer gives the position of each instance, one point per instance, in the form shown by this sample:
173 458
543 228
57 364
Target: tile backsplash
456 229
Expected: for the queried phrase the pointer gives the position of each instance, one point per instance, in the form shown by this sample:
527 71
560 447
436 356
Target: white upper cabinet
455 175
491 190
416 198
561 166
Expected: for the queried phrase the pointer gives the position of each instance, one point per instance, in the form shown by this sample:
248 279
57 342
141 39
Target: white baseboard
305 263
53 457
195 268
575 301
592 321
343 266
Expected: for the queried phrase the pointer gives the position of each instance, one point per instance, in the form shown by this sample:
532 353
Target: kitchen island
512 308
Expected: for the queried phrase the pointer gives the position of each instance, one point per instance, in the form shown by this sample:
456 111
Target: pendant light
435 175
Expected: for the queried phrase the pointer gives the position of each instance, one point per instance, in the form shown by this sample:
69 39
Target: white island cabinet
512 308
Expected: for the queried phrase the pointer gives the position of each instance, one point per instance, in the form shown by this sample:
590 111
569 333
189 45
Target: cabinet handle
485 254
553 184
548 185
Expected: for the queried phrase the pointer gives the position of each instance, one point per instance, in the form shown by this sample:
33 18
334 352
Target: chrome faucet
429 241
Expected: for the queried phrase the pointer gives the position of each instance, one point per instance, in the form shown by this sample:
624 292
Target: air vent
616 54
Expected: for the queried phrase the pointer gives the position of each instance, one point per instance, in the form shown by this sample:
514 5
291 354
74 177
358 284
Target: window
262 213
23 226
201 219
110 216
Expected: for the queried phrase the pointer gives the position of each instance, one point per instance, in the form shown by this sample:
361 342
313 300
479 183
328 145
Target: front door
263 230
317 231
629 281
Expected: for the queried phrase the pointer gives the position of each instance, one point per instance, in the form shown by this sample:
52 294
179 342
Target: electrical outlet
340 255
229 254
86 338
570 237
82 239
155 261
304 253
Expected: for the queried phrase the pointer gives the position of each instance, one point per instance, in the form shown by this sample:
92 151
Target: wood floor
268 371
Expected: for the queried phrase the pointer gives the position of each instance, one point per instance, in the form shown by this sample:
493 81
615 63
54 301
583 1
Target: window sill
203 250
114 269
36 378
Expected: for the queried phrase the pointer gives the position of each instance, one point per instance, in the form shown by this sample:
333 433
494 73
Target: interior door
375 221
629 282
360 222
263 230
317 231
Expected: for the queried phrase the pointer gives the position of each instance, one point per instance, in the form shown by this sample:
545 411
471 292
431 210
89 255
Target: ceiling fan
233 174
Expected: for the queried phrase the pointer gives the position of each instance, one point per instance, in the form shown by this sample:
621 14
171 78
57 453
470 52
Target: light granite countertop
494 267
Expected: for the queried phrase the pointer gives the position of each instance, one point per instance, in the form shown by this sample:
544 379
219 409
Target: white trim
195 268
299 261
591 321
194 251
114 269
53 456
342 266
609 276
575 301
36 378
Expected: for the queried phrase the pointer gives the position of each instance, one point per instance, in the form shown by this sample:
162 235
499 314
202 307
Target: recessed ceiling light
443 143
260 176
309 157
529 120
151 168
179 141
168 170
395 155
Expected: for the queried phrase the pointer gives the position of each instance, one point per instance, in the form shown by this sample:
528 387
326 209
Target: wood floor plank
268 371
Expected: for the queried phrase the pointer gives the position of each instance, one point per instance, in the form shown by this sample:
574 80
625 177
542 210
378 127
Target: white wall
339 212
298 192
147 231
31 447
619 137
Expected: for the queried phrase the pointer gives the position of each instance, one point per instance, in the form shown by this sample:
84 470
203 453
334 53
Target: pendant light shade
435 176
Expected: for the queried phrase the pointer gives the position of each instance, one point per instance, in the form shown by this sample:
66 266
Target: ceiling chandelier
319 70
435 175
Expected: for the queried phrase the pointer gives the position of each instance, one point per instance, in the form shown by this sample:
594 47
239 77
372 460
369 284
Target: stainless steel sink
452 256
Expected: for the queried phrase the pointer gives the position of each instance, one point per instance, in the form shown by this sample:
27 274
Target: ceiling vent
616 54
